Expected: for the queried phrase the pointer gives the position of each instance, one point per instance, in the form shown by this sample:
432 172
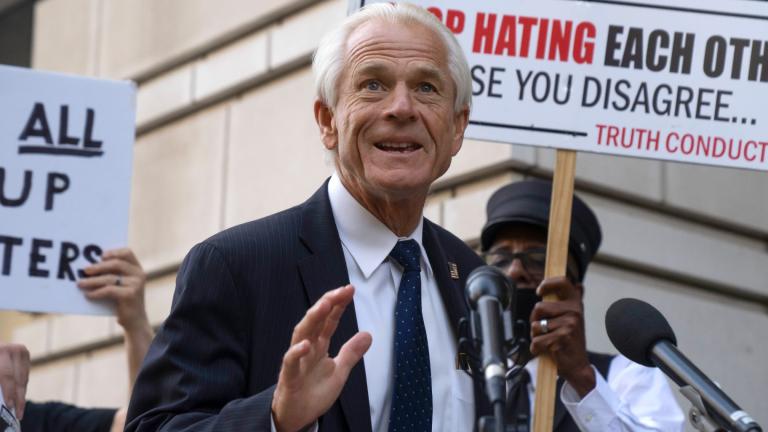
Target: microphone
489 292
641 334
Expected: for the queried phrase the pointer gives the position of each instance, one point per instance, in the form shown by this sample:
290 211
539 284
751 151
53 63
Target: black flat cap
527 202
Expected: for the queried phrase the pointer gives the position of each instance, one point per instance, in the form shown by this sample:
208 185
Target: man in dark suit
266 332
595 392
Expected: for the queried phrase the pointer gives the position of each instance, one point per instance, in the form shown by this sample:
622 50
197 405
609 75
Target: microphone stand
699 416
704 416
470 345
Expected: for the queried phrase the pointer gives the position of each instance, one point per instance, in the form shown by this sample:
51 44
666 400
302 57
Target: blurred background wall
226 134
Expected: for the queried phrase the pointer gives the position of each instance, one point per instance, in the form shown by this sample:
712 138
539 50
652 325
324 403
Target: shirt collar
367 239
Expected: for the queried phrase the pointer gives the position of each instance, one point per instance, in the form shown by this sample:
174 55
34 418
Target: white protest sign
66 145
674 80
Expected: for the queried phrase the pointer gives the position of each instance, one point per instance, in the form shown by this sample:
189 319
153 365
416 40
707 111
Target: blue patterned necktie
412 392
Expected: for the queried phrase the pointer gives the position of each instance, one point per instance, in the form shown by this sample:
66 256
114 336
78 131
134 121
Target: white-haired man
270 319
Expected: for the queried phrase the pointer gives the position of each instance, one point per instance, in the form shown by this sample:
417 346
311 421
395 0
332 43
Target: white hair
328 62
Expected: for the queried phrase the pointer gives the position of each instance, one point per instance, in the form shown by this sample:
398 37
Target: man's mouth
398 147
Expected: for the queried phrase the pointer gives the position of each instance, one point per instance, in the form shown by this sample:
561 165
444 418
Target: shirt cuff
312 428
597 409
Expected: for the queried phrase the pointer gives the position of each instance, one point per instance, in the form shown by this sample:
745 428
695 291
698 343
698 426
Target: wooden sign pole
557 258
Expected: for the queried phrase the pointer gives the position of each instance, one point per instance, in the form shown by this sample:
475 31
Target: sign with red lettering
674 80
66 145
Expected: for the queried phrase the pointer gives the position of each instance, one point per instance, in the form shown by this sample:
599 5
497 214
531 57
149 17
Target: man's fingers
339 296
338 299
21 360
292 360
352 351
98 281
537 329
8 384
22 367
14 374
110 292
313 323
554 309
332 321
547 310
113 266
21 401
550 343
559 286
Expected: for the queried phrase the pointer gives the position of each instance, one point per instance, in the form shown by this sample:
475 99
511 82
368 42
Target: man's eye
427 88
373 85
501 263
538 257
498 260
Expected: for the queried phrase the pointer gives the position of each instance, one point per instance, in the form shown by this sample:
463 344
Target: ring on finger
544 324
119 280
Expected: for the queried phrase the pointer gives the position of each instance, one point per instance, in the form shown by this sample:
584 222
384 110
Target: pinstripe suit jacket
214 363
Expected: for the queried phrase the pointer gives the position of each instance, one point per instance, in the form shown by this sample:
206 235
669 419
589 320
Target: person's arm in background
637 399
119 277
50 416
118 424
14 375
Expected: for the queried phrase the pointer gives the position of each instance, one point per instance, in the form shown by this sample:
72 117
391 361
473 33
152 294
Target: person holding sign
270 319
120 279
596 392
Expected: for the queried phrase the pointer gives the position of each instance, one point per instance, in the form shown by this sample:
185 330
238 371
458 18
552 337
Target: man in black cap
595 392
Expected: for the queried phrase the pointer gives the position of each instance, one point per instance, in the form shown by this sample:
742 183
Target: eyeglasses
533 261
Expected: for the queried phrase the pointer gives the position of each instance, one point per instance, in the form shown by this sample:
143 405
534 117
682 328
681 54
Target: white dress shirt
367 243
634 398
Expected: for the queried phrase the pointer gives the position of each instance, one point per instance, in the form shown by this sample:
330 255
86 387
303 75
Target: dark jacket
61 417
214 363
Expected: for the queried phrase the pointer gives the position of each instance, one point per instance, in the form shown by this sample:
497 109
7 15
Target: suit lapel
322 270
452 293
450 289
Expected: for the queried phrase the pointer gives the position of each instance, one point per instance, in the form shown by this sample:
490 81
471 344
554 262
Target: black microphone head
489 281
634 327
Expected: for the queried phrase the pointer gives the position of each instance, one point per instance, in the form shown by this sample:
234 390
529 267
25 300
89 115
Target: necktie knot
407 253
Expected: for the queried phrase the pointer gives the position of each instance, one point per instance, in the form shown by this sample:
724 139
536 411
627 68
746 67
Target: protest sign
66 145
675 80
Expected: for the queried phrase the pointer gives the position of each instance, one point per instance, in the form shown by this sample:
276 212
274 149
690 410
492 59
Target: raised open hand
310 380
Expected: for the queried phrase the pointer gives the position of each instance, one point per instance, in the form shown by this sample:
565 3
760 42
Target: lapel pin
454 269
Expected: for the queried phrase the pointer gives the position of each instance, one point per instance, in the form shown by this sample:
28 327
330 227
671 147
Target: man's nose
401 105
518 273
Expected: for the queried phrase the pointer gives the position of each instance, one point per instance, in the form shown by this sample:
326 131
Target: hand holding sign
563 339
119 278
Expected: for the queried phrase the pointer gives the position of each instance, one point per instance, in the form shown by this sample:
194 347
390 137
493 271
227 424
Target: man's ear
327 124
460 122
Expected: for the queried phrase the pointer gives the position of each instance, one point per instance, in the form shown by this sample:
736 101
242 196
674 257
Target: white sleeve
635 398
